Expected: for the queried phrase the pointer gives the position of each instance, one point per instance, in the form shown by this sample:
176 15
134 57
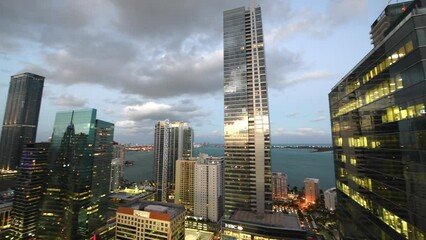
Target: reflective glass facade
20 118
71 203
379 135
246 114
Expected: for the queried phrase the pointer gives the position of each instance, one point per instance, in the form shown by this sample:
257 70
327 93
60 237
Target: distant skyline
139 62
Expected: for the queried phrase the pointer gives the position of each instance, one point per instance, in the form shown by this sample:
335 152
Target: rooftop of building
173 209
276 219
316 180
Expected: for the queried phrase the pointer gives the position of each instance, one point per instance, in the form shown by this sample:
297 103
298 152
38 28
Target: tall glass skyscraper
247 144
378 122
78 176
20 118
172 141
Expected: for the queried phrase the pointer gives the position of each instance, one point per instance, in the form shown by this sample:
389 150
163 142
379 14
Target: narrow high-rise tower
20 118
247 143
247 174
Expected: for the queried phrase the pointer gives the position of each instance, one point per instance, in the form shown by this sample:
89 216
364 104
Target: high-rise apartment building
312 190
172 141
247 160
184 191
279 186
378 120
79 160
29 189
208 188
246 130
20 118
151 220
117 166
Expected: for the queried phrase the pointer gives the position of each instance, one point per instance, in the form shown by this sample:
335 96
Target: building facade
246 113
208 188
29 189
279 186
172 141
378 127
81 148
330 199
151 220
312 190
184 192
20 118
117 166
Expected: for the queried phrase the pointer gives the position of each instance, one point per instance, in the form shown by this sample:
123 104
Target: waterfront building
184 192
20 118
246 113
279 186
117 166
312 190
151 220
378 124
172 141
247 160
208 188
330 199
29 189
78 162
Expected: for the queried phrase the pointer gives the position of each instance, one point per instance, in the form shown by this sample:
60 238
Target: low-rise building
151 220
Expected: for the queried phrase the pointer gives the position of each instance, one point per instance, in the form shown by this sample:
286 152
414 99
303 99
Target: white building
330 199
279 186
208 188
117 167
312 190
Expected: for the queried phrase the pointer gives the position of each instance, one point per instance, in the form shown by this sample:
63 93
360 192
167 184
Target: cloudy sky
140 61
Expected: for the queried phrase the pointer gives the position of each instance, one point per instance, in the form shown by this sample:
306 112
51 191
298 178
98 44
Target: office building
330 199
151 220
378 123
172 141
312 190
184 192
208 188
20 118
279 186
246 127
247 160
117 166
6 203
29 189
78 162
277 226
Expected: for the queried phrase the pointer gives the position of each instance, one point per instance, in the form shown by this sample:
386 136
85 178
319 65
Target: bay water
297 163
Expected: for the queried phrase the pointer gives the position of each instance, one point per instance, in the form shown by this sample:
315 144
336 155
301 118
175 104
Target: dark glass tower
80 146
379 133
172 141
20 118
247 144
30 185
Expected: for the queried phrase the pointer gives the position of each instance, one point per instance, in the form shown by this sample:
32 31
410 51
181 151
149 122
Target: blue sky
138 62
